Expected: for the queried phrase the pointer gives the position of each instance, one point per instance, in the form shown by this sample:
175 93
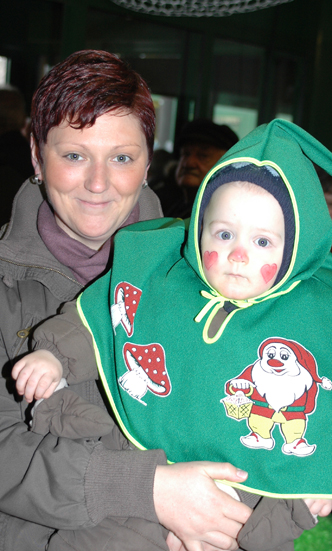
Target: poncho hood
283 147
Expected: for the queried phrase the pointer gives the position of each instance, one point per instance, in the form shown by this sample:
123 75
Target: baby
265 283
242 241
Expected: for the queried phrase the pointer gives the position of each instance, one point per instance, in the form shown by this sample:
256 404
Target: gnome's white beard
281 391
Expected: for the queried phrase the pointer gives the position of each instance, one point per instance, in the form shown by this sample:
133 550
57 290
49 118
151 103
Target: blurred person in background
161 179
15 157
201 144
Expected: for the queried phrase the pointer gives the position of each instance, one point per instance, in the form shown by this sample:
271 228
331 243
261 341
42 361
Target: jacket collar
23 254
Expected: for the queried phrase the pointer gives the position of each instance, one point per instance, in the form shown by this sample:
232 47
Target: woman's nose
238 254
97 178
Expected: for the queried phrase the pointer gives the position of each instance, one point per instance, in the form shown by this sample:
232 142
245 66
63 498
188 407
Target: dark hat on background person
206 131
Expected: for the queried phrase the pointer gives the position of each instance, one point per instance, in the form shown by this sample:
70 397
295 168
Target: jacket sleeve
58 482
64 483
67 414
66 337
275 524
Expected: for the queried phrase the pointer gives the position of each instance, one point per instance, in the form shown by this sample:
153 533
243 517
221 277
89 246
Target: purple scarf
85 263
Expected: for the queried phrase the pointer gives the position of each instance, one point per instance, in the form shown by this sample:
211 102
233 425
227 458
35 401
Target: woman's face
94 176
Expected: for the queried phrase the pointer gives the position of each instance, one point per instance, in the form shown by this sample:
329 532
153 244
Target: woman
92 140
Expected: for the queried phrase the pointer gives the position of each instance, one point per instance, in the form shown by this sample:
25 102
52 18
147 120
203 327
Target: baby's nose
239 254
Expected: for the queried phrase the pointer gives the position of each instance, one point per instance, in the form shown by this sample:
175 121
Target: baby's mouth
236 275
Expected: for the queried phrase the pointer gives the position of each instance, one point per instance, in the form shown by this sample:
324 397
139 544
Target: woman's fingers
321 507
188 503
173 542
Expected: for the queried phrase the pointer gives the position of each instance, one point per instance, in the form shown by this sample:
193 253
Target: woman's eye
225 235
74 157
122 158
262 242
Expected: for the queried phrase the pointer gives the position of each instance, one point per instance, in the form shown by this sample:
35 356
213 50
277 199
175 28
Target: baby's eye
262 242
225 235
122 159
74 156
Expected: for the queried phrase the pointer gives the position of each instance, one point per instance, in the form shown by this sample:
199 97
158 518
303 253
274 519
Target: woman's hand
321 507
37 375
189 504
173 543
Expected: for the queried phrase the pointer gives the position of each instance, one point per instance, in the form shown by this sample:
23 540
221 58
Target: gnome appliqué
280 388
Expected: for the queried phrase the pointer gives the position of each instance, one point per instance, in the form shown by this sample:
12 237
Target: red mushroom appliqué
146 371
126 300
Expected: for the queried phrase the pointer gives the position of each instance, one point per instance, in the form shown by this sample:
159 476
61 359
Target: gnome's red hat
304 357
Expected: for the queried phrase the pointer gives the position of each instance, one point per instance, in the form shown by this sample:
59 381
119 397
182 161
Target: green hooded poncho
171 385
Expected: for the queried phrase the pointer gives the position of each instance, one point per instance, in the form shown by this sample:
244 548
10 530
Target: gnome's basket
238 405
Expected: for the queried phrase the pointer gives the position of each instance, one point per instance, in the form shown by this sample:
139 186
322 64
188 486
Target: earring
145 184
35 180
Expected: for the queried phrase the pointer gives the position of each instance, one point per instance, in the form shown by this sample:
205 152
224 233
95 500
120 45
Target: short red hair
84 86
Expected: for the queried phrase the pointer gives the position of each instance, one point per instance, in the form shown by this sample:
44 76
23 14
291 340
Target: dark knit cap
270 180
206 131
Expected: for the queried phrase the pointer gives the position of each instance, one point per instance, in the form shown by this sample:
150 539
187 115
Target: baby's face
242 240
